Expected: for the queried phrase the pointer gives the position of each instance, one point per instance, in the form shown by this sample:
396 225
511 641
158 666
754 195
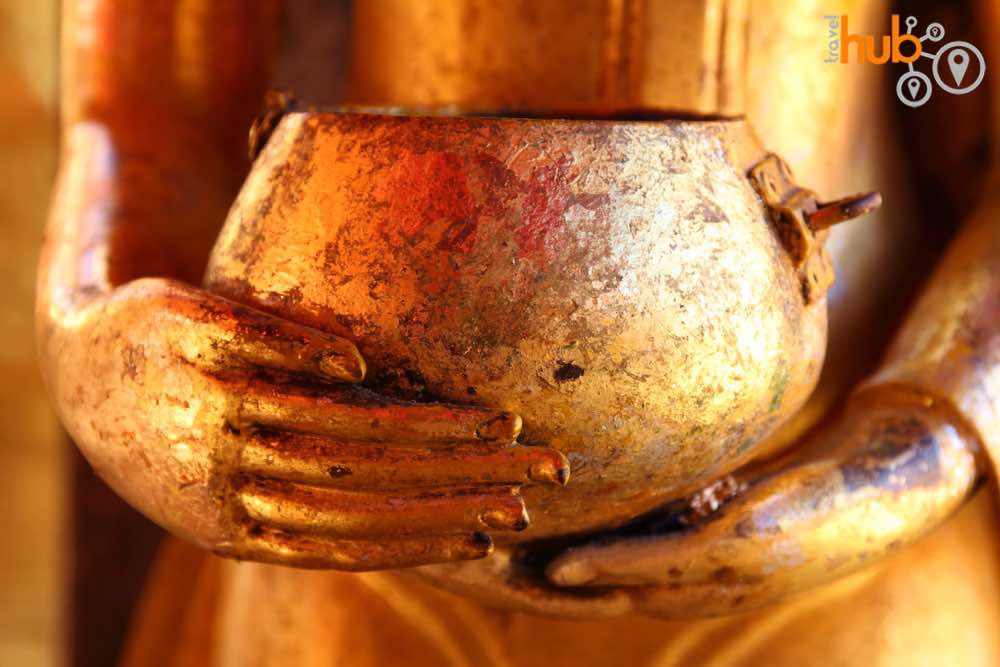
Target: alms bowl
616 283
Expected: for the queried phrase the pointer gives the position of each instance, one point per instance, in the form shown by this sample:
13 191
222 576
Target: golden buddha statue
529 341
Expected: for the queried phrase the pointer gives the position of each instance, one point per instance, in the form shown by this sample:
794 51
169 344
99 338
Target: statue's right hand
241 431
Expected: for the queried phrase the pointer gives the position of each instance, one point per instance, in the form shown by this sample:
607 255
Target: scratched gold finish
238 417
618 285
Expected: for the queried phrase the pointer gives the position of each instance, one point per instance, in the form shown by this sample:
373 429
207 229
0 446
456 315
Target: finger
354 414
311 460
261 340
317 552
219 333
358 514
719 550
815 521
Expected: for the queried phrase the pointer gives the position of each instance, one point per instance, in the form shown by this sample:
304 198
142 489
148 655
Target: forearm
155 118
157 100
949 346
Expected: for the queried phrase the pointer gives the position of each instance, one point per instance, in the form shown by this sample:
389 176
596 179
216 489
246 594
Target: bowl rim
541 118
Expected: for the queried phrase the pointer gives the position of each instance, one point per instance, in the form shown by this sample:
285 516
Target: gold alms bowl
616 283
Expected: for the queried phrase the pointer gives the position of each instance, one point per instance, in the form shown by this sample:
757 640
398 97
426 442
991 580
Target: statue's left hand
881 476
892 467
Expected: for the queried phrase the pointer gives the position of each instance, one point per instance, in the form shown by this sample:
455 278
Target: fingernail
504 519
480 545
505 426
477 545
564 475
340 366
549 472
574 573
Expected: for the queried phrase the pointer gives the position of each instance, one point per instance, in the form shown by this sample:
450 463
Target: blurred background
33 464
53 574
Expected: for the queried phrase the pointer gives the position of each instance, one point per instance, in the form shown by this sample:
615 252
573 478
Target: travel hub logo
957 67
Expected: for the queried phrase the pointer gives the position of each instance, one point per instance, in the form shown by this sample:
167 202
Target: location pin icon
958 63
914 86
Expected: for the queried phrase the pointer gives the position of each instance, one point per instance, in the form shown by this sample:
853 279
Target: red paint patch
496 187
543 212
544 208
428 194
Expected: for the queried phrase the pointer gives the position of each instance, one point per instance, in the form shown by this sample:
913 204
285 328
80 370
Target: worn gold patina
617 285
243 428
